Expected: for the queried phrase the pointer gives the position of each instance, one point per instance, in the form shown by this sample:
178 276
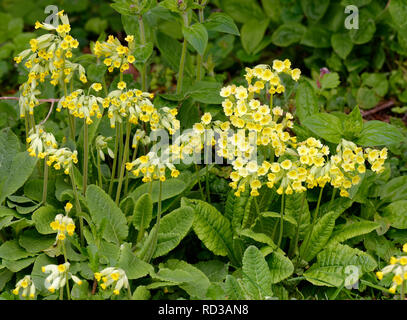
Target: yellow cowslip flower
62 225
121 85
109 276
28 287
58 276
97 87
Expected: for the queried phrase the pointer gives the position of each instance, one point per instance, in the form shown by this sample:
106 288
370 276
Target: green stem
280 237
208 191
156 228
332 198
45 183
66 274
123 165
99 169
403 291
119 163
116 148
256 205
77 205
199 182
294 244
143 42
182 61
126 185
85 156
199 57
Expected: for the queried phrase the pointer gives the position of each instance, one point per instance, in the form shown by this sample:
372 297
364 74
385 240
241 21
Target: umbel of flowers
293 166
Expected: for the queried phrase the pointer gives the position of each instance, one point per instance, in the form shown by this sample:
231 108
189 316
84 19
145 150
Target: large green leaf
170 189
395 189
212 228
398 11
233 288
296 207
143 212
314 9
256 274
319 236
188 277
280 266
339 265
20 170
103 210
242 10
252 34
42 219
326 126
11 250
197 36
396 213
305 101
353 230
378 133
173 228
341 44
288 34
221 22
134 267
34 242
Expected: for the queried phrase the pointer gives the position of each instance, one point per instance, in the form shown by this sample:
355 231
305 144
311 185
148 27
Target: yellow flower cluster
397 266
58 275
111 275
48 55
115 54
27 285
82 106
43 144
101 145
301 165
63 224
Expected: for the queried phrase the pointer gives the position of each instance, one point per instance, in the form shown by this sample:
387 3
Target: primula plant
150 164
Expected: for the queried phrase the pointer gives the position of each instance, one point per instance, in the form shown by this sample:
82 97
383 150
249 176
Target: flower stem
85 156
126 185
77 204
143 42
99 170
45 183
150 254
280 237
199 182
116 148
294 243
182 61
123 165
66 274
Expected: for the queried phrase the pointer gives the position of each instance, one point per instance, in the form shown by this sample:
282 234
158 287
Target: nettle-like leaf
379 133
252 34
306 101
221 22
288 34
326 126
256 274
197 36
212 228
102 208
339 265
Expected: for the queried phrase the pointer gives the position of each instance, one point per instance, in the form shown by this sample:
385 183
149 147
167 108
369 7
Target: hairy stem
85 156
123 165
280 237
116 148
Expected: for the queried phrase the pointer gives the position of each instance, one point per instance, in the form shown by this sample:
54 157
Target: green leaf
395 189
377 81
215 270
242 10
306 101
211 227
102 208
367 98
221 22
326 126
296 207
398 12
353 124
314 9
396 213
188 277
256 274
11 250
18 265
378 133
288 34
134 267
342 44
143 212
170 189
20 170
233 289
142 52
338 263
353 230
330 81
42 219
205 92
280 267
366 31
34 242
252 34
37 275
197 36
316 37
173 228
259 237
141 293
319 236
